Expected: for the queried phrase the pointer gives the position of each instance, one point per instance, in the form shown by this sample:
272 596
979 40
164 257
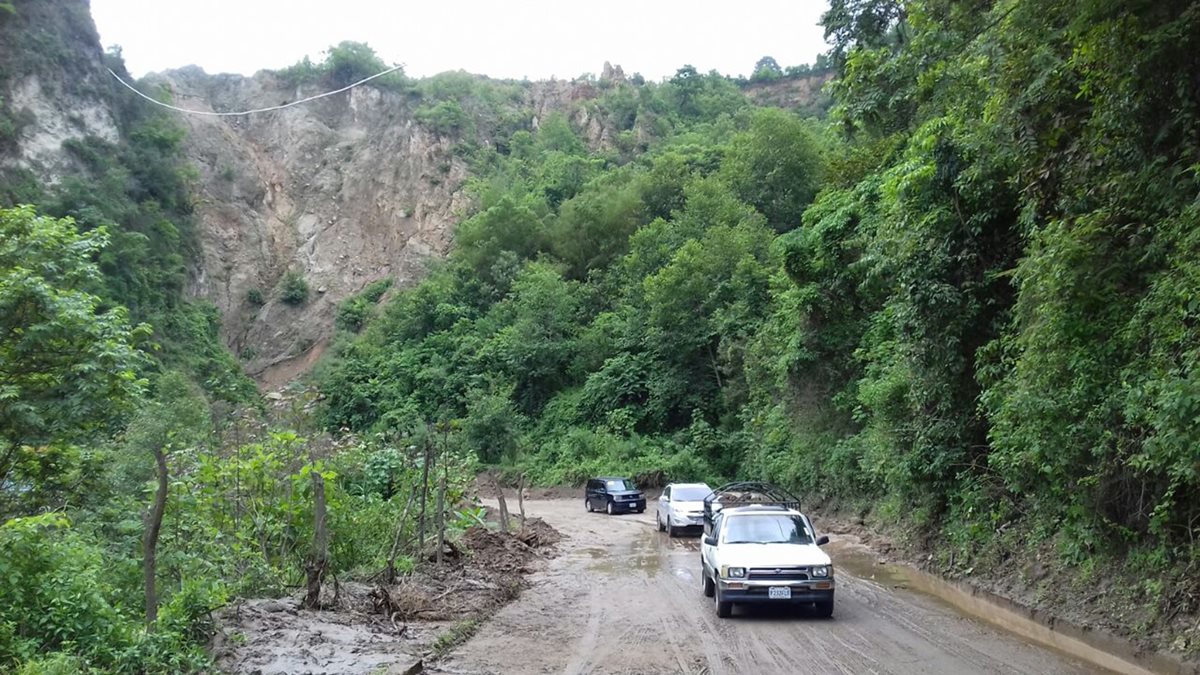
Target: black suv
614 495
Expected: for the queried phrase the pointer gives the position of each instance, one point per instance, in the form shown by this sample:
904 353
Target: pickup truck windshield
617 485
766 529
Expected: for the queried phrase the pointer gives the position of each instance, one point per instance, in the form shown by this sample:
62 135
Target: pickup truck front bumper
803 592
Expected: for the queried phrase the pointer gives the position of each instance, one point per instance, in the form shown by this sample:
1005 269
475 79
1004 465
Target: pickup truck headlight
735 572
822 571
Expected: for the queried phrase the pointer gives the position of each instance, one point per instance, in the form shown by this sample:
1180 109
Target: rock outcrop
344 191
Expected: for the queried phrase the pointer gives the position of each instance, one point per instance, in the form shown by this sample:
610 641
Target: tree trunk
424 498
154 521
503 504
390 573
521 500
441 517
319 559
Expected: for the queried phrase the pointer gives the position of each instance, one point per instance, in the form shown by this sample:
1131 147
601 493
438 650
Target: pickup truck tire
610 509
724 607
709 586
825 609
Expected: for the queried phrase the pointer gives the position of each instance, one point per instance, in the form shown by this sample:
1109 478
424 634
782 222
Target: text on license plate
779 593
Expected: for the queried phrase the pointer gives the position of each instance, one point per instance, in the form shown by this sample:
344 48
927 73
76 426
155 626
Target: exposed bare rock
345 191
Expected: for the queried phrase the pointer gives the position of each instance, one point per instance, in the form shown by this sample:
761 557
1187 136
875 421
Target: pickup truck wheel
610 509
825 609
724 608
709 586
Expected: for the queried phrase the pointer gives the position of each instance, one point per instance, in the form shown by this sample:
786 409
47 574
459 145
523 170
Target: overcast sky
535 39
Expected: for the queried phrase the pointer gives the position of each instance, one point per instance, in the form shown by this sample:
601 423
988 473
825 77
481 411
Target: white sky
512 39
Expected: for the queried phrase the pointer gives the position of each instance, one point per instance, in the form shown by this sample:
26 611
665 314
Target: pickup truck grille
778 573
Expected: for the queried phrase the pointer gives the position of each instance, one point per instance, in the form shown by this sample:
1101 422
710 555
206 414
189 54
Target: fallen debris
381 627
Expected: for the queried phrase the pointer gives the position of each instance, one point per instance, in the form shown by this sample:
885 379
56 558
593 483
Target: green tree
766 69
69 364
776 166
293 288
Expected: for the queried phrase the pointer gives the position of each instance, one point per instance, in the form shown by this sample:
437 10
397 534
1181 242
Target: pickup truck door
707 551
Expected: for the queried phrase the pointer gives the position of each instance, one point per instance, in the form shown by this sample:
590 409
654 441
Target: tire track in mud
587 642
624 598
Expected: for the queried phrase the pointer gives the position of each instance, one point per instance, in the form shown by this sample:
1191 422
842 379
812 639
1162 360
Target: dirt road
624 598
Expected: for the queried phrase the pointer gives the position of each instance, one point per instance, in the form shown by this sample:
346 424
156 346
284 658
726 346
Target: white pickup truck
764 553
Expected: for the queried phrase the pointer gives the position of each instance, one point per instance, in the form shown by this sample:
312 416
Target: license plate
779 593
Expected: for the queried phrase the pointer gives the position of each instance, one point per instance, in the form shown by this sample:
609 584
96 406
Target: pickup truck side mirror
822 540
710 541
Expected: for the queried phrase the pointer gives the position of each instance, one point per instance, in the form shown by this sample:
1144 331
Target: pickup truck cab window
766 529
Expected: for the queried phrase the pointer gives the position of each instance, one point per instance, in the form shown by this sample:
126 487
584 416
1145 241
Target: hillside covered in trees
964 301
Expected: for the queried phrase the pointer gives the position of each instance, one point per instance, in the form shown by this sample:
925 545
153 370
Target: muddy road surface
624 598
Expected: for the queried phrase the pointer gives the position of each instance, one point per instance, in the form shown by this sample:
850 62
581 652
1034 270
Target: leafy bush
344 64
293 288
353 312
445 118
56 596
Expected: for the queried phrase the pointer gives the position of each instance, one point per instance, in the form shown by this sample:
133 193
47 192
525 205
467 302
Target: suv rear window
766 529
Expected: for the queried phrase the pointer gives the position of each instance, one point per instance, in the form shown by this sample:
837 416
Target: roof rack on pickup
747 493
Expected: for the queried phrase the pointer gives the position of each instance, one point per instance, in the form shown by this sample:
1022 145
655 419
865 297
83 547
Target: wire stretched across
168 106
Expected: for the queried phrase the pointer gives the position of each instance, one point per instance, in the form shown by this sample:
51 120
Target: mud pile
486 573
369 628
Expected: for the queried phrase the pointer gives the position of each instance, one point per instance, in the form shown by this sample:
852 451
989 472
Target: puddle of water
1108 652
640 554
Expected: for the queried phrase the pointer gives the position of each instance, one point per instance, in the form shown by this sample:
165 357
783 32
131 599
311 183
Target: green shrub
293 289
446 118
255 297
354 311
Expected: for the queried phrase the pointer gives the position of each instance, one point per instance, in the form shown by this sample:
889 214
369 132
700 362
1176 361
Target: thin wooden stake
390 573
424 496
503 504
521 500
319 560
441 516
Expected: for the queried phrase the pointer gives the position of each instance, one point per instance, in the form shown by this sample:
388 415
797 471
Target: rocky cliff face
53 87
342 191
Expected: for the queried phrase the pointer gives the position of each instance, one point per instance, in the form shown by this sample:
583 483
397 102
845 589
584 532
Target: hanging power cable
348 87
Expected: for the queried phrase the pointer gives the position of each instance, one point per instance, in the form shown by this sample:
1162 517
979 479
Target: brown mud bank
372 627
1103 650
1064 621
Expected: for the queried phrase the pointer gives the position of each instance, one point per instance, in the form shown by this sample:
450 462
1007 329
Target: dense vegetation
966 299
104 367
969 301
